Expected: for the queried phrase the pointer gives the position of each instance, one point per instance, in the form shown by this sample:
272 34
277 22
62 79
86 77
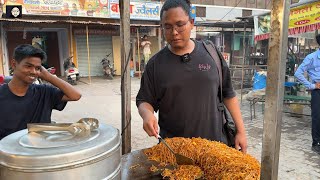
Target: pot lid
25 150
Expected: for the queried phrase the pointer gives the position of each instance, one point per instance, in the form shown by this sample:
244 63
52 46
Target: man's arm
70 93
299 74
232 105
150 123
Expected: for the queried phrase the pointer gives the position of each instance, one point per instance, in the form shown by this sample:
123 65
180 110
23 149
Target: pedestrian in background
131 68
146 49
311 65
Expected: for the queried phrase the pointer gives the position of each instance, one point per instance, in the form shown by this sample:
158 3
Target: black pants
315 114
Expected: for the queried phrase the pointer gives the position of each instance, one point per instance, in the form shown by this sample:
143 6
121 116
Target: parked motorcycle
71 72
107 66
52 70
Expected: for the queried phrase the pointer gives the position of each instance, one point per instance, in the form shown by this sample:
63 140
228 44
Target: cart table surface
135 165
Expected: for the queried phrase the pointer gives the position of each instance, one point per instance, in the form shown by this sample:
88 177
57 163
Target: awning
84 21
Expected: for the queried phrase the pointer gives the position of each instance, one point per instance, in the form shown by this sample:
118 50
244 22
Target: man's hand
241 142
70 93
150 125
44 74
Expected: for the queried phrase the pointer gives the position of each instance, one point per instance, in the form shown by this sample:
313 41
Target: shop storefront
52 39
99 42
62 33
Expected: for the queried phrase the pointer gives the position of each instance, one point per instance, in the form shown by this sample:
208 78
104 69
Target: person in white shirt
146 48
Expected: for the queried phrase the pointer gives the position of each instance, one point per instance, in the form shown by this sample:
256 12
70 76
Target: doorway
47 41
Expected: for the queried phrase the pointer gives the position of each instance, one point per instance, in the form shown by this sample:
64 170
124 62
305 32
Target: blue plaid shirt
311 64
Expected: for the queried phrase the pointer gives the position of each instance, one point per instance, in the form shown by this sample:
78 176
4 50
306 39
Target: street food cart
89 150
61 155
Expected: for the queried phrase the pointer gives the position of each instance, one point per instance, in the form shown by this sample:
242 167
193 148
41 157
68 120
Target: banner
304 18
304 15
261 27
83 8
138 10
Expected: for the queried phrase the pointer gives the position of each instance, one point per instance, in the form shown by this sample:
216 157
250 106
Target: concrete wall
218 13
15 38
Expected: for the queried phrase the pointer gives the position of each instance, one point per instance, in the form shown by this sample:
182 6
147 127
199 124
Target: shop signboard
304 18
138 10
83 8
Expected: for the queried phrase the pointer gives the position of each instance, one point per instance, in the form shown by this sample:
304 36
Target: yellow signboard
304 18
84 8
305 15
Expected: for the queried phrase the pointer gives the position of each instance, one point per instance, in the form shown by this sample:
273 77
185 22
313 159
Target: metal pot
56 156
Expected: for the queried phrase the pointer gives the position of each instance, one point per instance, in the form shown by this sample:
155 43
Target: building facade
87 30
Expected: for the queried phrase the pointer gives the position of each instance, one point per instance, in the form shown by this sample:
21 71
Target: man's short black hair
169 4
26 50
318 39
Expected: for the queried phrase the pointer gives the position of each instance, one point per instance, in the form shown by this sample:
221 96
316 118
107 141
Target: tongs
83 127
181 159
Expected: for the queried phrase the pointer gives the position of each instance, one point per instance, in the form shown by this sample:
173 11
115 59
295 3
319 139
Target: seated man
21 101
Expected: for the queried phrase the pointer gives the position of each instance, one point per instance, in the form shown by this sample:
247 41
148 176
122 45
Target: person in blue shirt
311 65
21 101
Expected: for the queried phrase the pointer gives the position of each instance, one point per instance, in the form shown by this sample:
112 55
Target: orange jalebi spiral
217 160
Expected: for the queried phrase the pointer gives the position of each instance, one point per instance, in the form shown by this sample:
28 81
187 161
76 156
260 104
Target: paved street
102 100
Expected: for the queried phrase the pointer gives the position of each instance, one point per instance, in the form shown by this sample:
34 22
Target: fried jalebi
185 172
153 168
217 160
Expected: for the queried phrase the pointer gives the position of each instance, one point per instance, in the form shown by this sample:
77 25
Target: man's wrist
241 131
48 77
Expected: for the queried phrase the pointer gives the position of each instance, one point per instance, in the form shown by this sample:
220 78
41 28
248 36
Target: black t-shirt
35 107
185 93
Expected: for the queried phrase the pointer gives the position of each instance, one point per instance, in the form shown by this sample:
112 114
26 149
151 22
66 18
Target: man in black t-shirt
182 83
22 102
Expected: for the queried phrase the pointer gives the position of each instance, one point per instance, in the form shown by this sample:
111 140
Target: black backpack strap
217 57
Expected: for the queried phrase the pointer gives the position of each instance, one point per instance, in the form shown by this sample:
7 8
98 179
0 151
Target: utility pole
1 52
125 75
243 57
275 89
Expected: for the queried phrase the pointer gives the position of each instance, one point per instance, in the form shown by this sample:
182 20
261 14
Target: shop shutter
100 46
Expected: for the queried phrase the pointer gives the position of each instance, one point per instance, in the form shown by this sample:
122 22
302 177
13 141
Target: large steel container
60 156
